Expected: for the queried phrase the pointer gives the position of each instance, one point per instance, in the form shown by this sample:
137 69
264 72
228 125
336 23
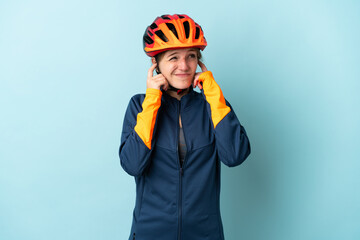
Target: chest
195 122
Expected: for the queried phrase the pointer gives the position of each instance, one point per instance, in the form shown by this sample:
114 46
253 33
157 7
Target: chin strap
177 90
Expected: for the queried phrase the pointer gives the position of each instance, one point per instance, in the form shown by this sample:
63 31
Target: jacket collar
185 101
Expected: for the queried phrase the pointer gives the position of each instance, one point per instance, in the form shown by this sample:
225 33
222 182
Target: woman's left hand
196 78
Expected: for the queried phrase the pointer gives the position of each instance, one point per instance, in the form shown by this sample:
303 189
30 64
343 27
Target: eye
173 58
192 55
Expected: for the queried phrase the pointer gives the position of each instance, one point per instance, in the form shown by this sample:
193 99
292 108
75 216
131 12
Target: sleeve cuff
153 91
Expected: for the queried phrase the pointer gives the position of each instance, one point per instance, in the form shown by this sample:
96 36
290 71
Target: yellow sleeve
146 119
214 97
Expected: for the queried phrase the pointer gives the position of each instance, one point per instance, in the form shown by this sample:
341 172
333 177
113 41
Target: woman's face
179 66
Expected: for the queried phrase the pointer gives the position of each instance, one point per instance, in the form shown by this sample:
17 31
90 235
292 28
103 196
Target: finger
196 79
159 80
166 85
202 66
162 83
157 77
195 83
151 70
200 85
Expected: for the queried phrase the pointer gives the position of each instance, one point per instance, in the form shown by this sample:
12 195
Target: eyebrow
189 51
172 54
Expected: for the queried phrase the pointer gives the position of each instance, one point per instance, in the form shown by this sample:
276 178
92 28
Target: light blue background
289 68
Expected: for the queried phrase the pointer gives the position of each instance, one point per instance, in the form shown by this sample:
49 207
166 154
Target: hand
157 81
197 82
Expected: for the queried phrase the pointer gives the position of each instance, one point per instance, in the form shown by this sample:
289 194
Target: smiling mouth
182 75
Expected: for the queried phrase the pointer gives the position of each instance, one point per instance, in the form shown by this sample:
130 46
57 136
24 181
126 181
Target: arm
139 123
232 142
138 129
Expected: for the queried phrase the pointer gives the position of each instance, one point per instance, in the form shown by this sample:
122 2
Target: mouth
182 75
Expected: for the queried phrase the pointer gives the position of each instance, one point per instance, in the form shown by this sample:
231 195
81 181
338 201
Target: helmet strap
177 90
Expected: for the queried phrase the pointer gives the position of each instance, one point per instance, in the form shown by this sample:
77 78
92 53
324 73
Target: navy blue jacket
174 202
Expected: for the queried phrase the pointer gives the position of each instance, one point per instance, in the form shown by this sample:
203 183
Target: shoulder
137 98
135 103
198 96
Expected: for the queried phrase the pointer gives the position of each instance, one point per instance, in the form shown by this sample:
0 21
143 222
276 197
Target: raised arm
139 124
232 142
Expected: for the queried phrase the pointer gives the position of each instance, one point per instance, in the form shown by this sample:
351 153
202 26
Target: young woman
174 138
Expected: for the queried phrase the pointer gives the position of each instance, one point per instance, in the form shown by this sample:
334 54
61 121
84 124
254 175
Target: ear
153 60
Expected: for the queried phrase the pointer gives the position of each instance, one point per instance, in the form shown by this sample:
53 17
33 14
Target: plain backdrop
290 69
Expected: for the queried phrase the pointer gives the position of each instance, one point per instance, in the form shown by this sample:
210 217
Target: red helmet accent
171 32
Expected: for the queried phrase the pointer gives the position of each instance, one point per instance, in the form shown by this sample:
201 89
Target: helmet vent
148 40
153 26
186 28
173 29
165 17
161 35
150 33
181 16
197 34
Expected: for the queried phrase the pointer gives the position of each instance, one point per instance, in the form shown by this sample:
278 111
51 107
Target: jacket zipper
180 203
181 171
180 175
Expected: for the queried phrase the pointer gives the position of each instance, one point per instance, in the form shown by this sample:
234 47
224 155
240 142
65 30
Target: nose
183 64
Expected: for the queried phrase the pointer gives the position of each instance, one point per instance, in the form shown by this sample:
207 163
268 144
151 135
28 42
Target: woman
174 138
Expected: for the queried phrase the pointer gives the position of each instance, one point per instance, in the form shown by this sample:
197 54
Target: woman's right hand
157 81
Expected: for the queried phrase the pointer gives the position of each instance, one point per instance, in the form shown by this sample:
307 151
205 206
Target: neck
174 94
